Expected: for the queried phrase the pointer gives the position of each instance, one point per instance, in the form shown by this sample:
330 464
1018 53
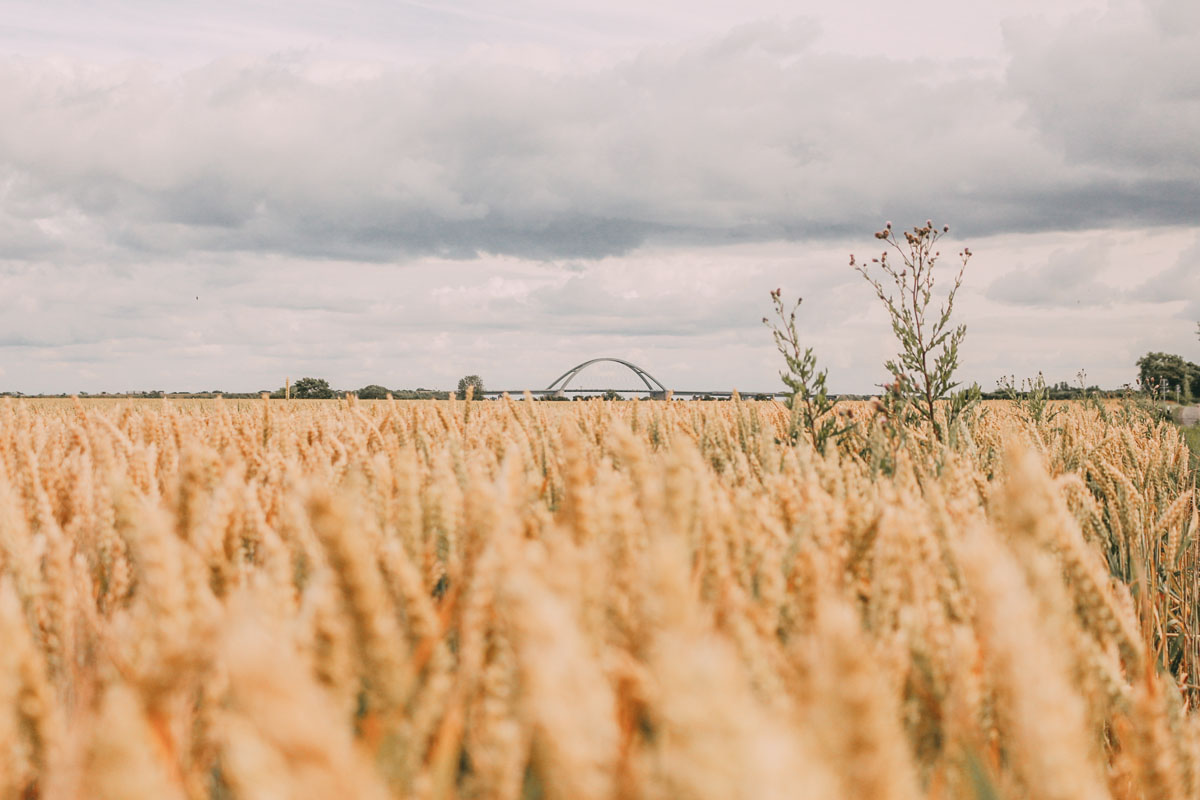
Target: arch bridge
655 388
560 385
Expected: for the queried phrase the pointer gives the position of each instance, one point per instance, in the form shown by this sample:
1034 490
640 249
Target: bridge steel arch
560 384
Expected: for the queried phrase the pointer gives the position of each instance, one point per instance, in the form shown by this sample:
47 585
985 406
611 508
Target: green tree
311 389
372 392
928 358
473 381
1170 375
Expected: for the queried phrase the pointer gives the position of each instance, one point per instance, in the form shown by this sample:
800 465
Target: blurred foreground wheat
590 600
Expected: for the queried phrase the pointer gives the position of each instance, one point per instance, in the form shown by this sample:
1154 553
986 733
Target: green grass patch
1192 435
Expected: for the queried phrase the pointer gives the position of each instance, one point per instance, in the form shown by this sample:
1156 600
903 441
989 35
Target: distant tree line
309 388
1054 391
1163 375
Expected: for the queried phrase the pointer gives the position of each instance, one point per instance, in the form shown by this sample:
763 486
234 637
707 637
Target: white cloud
692 318
1179 284
1118 90
1067 278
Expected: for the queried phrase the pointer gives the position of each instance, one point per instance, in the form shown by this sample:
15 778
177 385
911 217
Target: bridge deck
675 392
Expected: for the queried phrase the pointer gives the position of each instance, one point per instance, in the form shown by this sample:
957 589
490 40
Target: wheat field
591 600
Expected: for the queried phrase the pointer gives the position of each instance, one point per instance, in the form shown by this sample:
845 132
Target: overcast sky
216 195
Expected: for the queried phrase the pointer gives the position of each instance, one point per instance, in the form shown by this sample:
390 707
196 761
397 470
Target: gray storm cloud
753 136
1118 92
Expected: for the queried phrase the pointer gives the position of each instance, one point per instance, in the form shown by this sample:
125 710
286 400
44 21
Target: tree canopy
372 392
311 389
1169 374
470 380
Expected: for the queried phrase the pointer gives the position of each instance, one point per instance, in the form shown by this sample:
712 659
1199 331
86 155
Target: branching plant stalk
928 358
811 406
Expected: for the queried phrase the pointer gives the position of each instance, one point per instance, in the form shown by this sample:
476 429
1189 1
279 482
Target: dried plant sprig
928 358
811 406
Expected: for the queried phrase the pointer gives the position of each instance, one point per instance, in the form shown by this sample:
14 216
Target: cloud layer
277 209
752 136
